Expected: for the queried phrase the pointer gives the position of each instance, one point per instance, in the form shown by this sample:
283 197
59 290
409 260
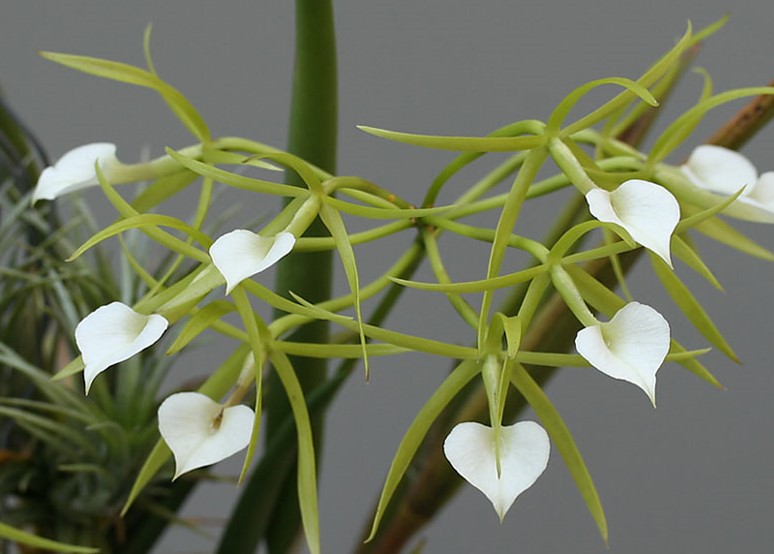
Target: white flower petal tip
241 254
112 334
720 170
75 170
631 346
201 432
524 453
647 211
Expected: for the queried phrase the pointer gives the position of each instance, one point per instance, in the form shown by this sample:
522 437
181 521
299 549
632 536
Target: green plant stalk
313 137
434 483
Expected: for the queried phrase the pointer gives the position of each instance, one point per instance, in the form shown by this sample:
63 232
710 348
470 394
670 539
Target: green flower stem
410 258
533 247
570 165
467 313
506 222
314 244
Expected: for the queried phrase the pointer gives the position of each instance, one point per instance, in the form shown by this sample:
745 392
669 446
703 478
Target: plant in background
632 201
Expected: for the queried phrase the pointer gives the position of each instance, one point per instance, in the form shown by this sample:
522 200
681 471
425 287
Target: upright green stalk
313 133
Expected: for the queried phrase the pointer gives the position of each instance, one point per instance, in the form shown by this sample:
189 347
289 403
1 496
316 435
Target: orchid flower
75 170
631 346
112 334
241 254
645 210
524 450
725 171
200 431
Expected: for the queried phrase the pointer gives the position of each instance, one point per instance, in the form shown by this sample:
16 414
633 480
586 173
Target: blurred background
694 475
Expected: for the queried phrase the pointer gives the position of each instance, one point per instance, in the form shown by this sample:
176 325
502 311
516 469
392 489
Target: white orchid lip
75 170
647 211
241 254
201 432
630 347
720 170
524 452
112 334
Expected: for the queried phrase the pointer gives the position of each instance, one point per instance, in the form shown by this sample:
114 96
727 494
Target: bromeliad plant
634 201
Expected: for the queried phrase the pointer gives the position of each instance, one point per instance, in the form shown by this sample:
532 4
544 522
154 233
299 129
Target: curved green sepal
561 112
683 126
459 144
562 439
415 434
237 181
307 474
693 310
199 322
685 253
724 233
132 75
141 221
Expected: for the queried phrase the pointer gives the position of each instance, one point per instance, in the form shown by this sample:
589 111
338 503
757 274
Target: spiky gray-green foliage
67 460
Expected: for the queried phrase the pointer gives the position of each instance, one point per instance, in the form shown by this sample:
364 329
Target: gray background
695 475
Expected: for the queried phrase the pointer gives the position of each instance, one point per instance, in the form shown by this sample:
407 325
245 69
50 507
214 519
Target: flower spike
647 211
241 254
112 334
201 432
524 452
631 346
75 170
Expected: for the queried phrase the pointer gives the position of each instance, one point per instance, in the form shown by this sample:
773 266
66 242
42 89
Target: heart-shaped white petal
524 452
241 254
75 170
631 346
112 334
720 170
201 432
647 211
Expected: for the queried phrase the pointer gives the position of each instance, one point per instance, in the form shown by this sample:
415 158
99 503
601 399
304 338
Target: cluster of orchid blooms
501 461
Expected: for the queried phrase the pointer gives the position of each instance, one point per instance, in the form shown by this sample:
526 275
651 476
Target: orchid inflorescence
639 202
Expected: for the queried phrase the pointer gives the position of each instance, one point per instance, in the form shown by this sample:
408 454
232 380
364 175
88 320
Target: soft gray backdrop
695 475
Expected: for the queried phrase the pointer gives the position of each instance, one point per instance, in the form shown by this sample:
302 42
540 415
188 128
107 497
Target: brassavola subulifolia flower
75 170
724 172
241 254
200 431
114 333
631 346
645 210
524 448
